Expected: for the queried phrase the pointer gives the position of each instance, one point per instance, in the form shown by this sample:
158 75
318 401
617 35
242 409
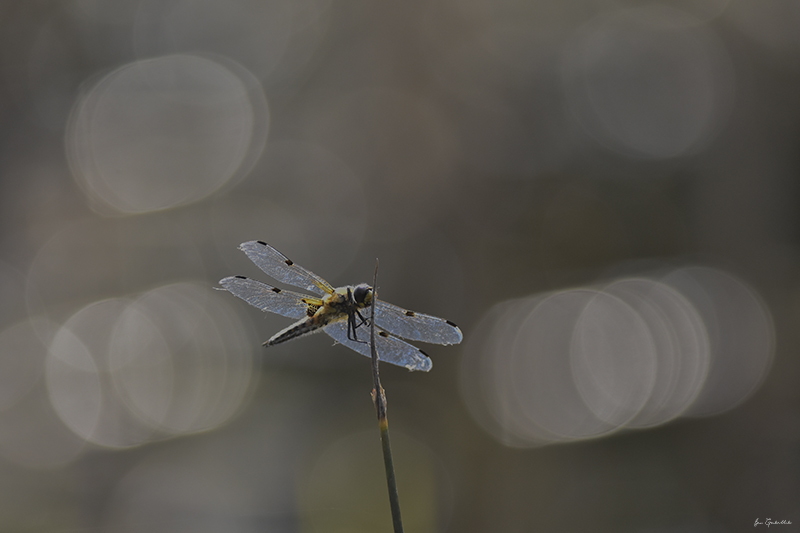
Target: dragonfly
337 311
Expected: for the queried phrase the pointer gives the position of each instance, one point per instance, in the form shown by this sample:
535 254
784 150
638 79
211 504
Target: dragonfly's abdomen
335 307
304 327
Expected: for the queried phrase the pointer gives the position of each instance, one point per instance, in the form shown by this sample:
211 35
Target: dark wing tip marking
262 243
240 277
410 313
276 290
423 353
383 334
451 323
289 262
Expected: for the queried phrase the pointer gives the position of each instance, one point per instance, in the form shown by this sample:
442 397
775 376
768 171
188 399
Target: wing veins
415 326
279 267
390 348
267 298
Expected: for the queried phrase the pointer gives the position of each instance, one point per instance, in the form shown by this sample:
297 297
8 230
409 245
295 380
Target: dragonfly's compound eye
361 292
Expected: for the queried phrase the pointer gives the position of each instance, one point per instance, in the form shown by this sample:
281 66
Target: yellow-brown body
339 305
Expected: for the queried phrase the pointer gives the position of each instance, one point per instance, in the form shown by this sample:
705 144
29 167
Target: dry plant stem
379 398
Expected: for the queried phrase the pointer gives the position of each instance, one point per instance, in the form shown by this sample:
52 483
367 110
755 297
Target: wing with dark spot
415 326
390 349
268 298
281 268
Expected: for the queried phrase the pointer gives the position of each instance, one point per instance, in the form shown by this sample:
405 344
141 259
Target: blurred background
603 194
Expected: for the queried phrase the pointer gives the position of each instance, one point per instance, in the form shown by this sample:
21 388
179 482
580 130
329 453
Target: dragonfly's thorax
341 304
347 299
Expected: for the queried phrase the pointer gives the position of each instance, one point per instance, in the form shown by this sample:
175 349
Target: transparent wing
283 269
266 298
390 349
415 326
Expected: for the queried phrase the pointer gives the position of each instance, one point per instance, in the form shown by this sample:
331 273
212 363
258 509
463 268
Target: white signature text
770 522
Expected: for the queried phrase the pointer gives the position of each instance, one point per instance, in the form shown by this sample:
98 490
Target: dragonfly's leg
352 326
351 319
362 319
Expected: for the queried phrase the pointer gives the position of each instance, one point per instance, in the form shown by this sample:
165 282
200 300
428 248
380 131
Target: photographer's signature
770 522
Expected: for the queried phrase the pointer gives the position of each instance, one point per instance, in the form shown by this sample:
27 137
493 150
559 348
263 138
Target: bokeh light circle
613 359
632 353
741 335
681 345
163 132
79 382
173 361
199 376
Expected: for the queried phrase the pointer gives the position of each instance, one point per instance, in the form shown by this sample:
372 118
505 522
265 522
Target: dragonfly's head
362 294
